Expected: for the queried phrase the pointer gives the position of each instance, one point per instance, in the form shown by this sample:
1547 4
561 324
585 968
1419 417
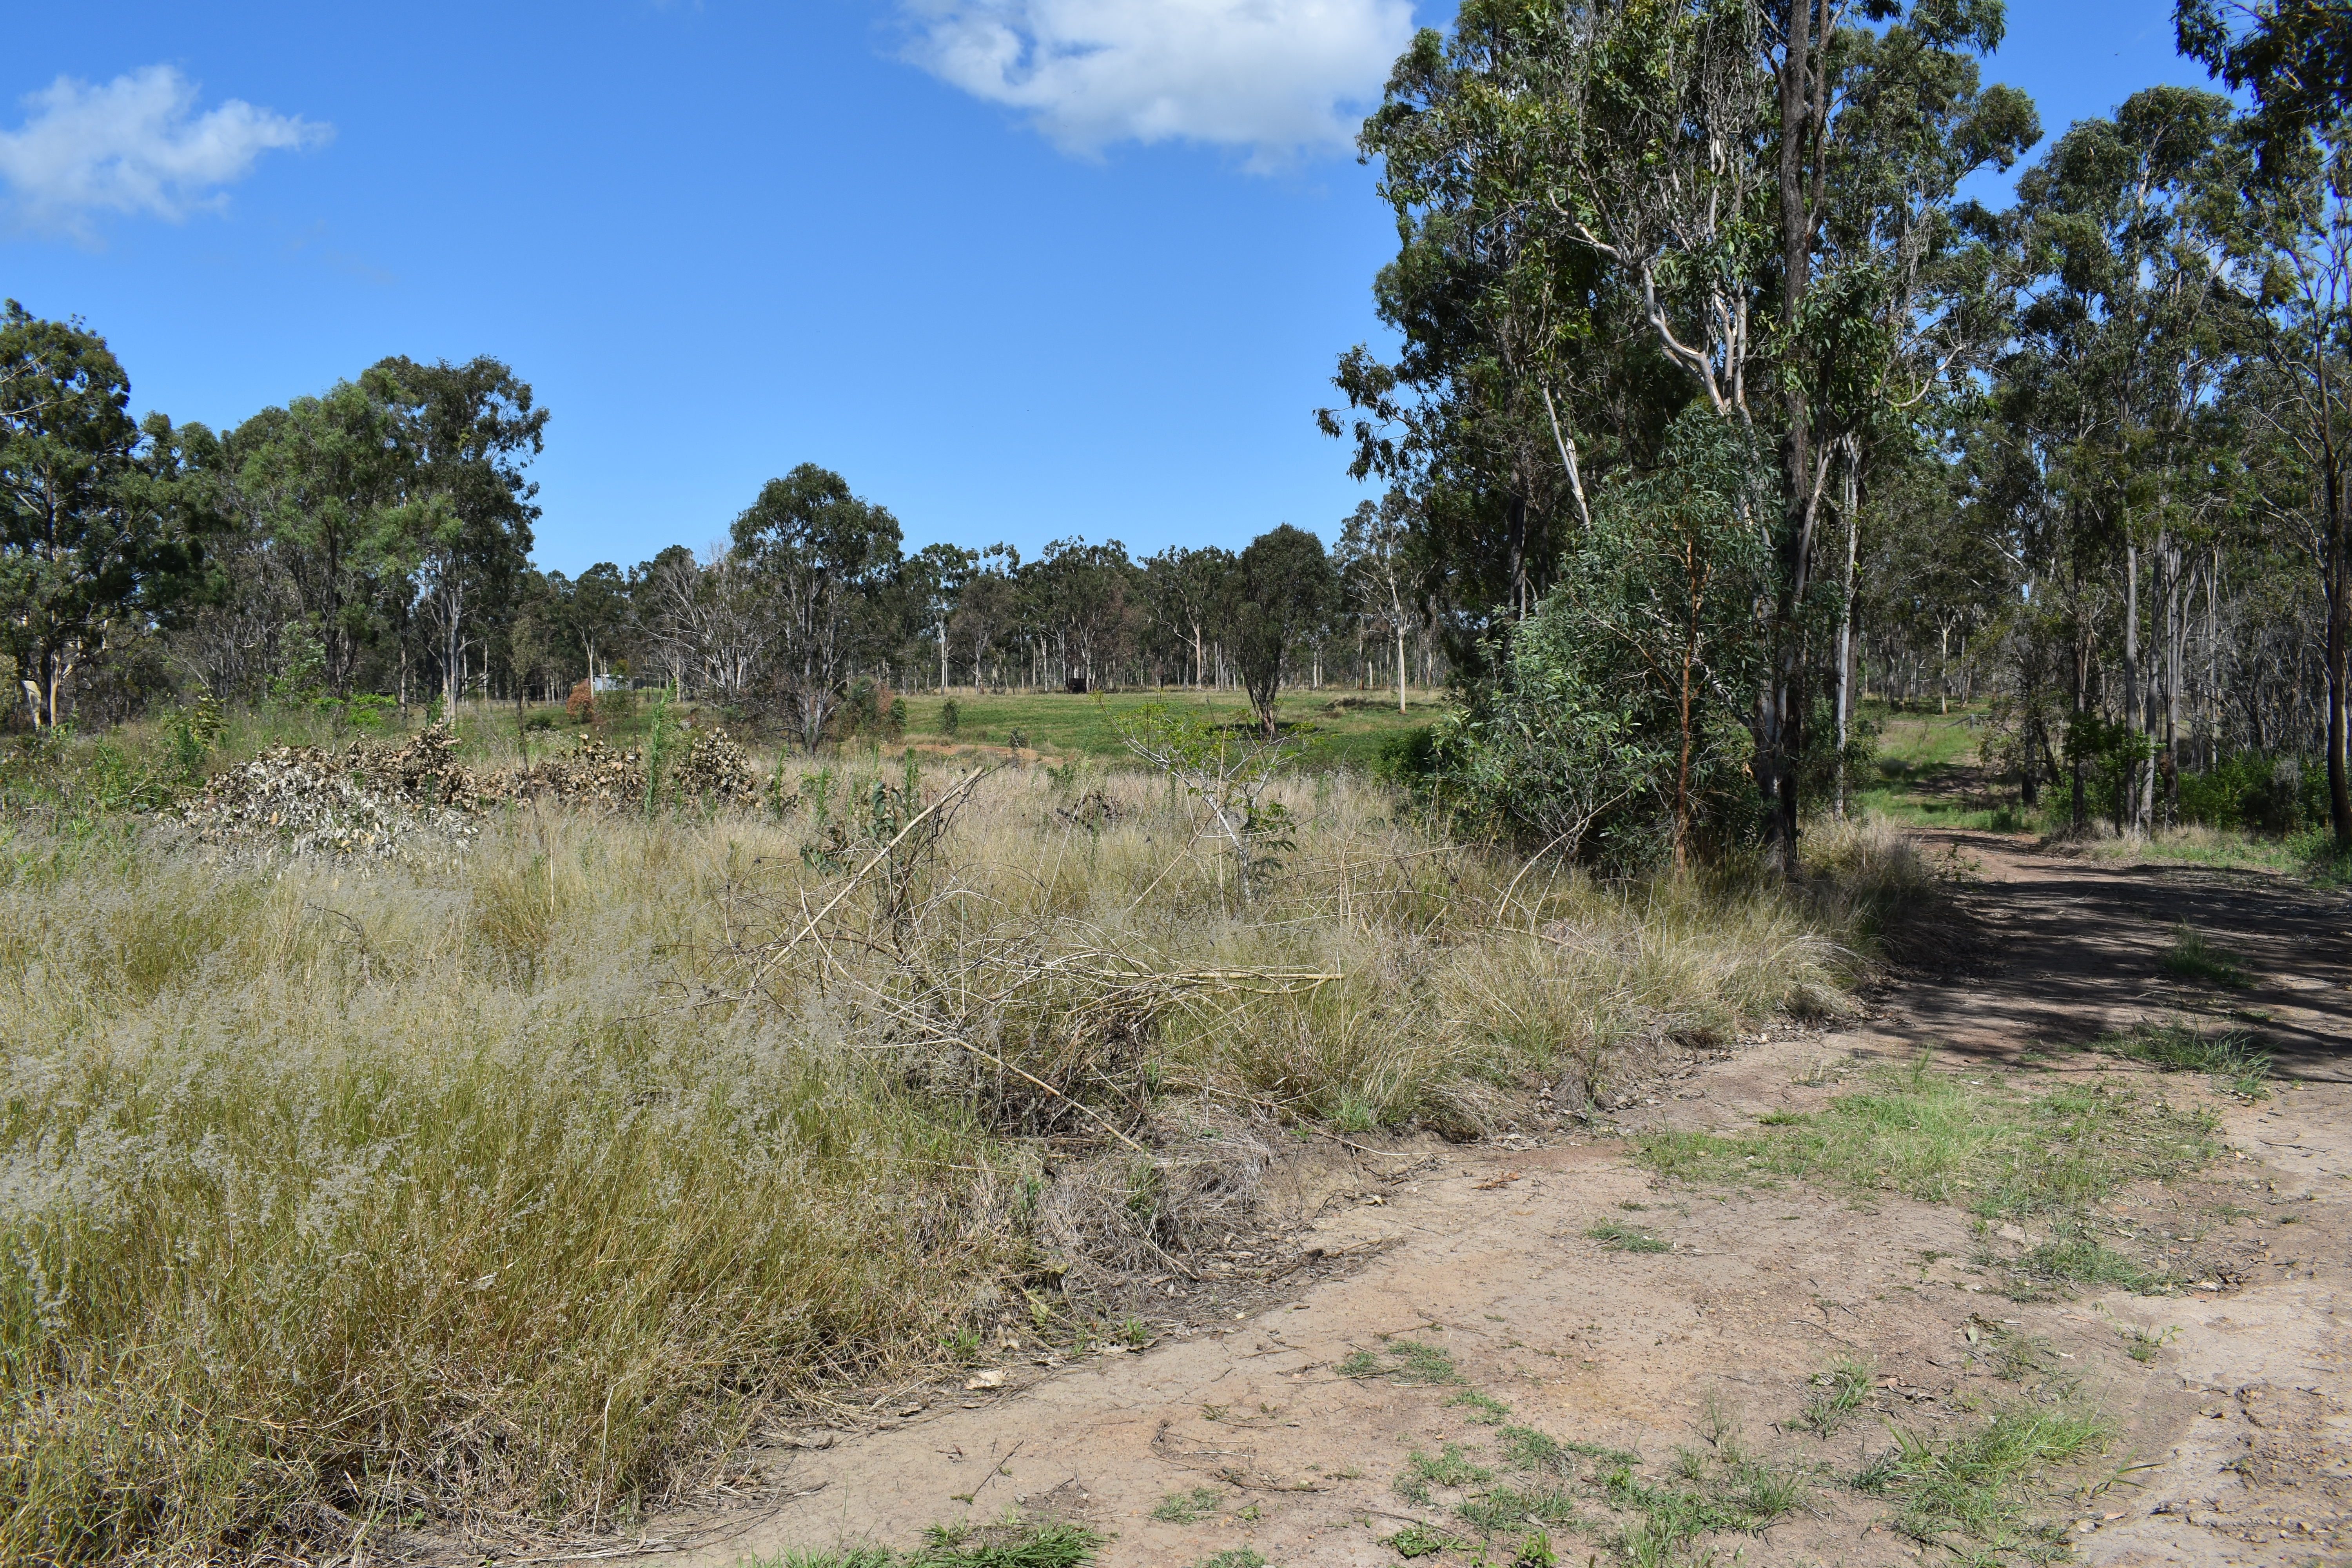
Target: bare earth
2239 1428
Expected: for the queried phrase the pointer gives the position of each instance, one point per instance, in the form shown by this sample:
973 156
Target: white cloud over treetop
1276 76
134 145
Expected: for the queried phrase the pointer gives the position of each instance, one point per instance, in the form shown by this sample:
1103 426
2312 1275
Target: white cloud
135 145
1279 77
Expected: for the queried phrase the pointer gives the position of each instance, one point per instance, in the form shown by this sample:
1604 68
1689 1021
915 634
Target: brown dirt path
2239 1428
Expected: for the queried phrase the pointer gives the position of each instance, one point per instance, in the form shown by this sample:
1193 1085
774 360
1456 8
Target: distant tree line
374 541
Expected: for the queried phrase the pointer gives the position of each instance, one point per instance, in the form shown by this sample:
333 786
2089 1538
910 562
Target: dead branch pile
378 801
385 801
1034 1030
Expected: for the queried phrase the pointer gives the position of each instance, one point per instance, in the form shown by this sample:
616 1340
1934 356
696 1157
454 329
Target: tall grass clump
339 1199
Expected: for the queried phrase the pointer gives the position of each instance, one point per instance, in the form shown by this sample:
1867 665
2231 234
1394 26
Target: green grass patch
1336 729
1232 1557
1977 1485
2228 1058
1014 1544
2194 958
1621 1237
1510 1507
1838 1392
1407 1360
1483 1409
1187 1508
1940 1137
1421 1541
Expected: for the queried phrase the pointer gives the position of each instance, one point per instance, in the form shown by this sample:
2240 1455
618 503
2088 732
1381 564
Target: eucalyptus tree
828 561
469 432
935 578
2138 249
90 534
1284 592
1376 566
1609 210
2303 392
1187 589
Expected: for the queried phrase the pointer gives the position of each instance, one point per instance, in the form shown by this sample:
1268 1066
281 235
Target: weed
2073 1257
1526 1448
2141 1345
1419 1541
1838 1391
1450 1468
1359 1363
2191 957
2001 1153
2229 1059
1232 1557
1185 1508
1620 1238
2017 1356
1419 1362
1972 1484
1014 1544
1484 1410
1508 1508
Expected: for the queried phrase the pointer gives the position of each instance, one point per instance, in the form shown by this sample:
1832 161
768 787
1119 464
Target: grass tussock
2227 1059
1978 1485
511 1189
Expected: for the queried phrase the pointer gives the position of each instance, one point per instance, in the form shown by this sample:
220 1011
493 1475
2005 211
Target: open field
510 1182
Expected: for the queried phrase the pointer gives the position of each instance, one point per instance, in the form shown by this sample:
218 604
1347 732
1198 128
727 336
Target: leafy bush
1610 733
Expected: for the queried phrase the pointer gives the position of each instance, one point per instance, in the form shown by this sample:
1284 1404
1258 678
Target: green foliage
2229 1058
1053 1544
1612 730
1837 1393
1621 1237
2191 957
1187 1507
1973 1484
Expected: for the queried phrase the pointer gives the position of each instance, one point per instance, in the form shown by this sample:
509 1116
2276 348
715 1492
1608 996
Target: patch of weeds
1524 1448
1939 1137
2229 1059
1232 1557
1618 1238
1013 1544
1837 1393
1782 1119
1187 1508
2191 957
2141 1345
1484 1410
2017 1356
1509 1508
1419 1541
2073 1257
1418 1363
1407 1360
1726 1490
1450 1468
1973 1484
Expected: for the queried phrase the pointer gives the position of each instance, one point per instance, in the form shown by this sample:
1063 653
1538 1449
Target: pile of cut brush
393 800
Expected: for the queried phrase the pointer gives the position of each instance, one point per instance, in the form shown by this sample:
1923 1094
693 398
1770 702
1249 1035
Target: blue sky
1091 286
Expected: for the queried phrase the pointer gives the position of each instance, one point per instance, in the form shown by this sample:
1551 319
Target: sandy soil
2237 1438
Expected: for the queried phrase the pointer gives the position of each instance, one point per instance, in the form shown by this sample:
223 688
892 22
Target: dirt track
2241 1424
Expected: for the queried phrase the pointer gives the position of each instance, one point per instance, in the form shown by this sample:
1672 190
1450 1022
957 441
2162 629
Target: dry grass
510 1191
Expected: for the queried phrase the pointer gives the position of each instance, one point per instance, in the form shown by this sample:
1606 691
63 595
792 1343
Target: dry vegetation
513 1185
